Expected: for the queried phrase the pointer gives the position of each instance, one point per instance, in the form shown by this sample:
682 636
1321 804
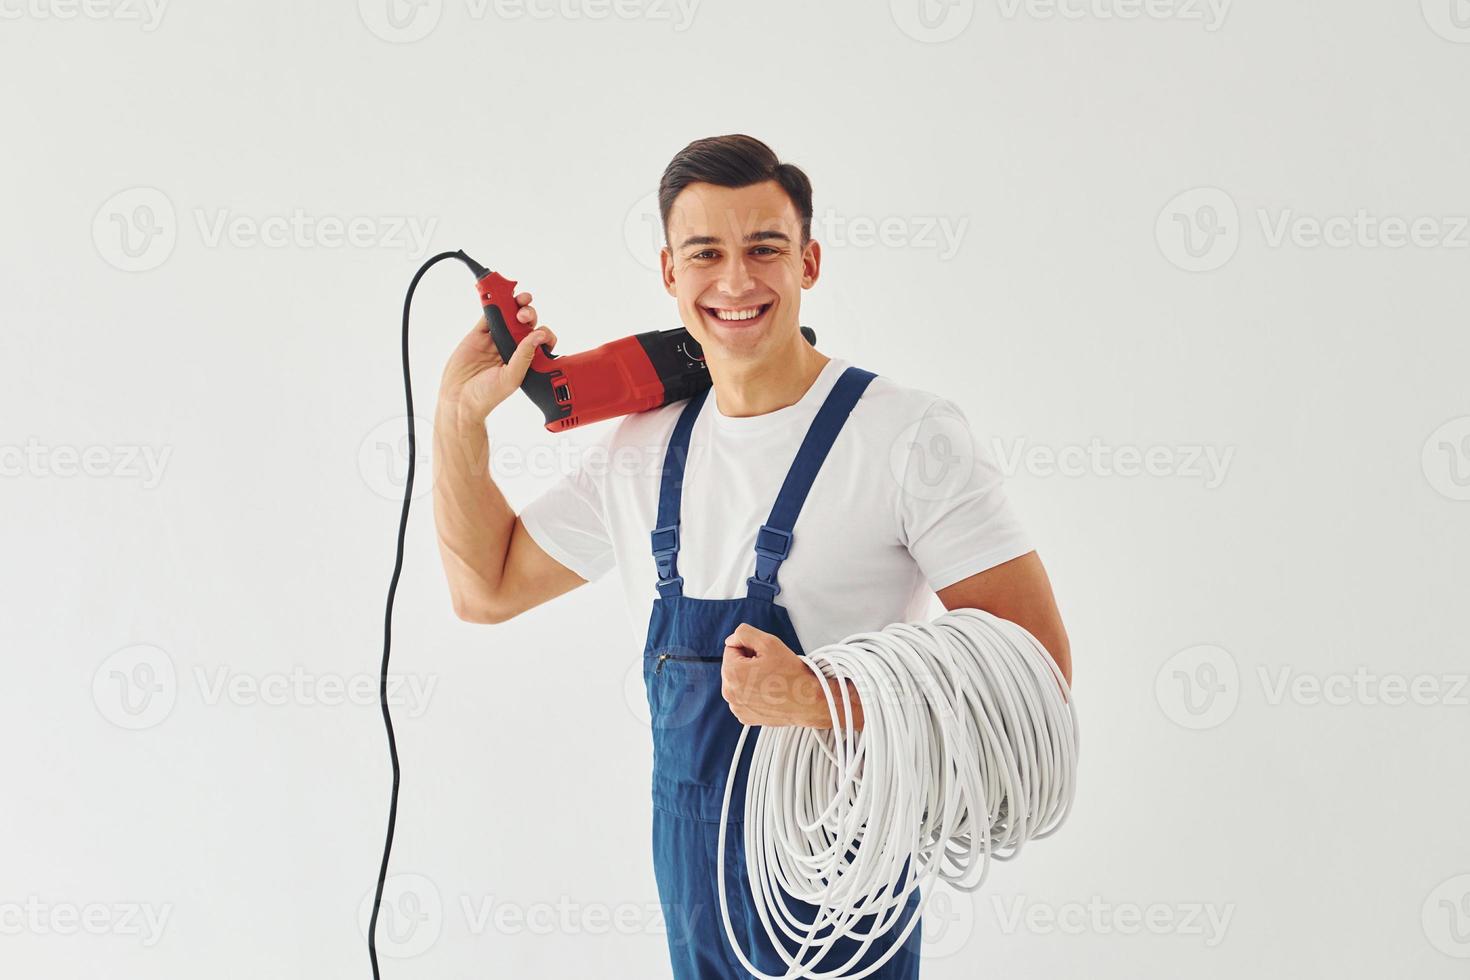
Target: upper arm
1017 590
561 539
530 577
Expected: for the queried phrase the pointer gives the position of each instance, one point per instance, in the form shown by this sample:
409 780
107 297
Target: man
804 477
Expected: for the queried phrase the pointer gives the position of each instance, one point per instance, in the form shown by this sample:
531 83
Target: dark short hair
733 161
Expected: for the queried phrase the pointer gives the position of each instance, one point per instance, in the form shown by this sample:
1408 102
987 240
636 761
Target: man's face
736 264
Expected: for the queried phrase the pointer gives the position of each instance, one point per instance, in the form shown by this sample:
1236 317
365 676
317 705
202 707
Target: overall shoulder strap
665 535
773 540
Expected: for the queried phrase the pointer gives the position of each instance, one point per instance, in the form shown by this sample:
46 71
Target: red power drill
632 374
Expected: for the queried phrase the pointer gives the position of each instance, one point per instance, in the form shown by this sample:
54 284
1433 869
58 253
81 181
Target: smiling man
800 500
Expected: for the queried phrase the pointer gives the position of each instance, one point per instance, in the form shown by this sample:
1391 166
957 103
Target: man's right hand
476 379
496 570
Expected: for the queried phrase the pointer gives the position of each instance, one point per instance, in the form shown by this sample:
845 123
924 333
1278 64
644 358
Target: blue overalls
694 730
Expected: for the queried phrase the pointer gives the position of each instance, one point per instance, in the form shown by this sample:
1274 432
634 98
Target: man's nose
735 279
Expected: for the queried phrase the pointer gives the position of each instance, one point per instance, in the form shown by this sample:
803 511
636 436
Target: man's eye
706 254
768 250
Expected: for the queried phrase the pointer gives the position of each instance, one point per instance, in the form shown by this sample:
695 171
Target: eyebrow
755 236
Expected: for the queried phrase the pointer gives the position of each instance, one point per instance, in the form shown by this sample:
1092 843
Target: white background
1130 192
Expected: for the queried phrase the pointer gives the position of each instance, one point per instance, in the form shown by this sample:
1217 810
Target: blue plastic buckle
664 550
772 545
782 537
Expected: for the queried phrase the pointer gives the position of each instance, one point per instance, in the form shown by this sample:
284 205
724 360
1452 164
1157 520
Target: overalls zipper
674 656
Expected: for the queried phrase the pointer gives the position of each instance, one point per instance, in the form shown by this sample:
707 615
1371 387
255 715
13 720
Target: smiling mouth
740 317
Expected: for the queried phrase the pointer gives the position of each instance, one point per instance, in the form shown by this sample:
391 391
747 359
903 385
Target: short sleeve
953 512
569 519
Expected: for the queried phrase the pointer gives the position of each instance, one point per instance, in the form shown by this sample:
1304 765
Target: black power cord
479 271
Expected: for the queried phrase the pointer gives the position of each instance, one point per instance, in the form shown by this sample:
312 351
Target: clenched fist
766 683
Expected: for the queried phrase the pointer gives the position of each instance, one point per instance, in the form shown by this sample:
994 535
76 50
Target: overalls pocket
694 729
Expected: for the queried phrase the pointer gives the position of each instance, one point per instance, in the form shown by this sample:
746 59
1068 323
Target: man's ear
666 269
811 264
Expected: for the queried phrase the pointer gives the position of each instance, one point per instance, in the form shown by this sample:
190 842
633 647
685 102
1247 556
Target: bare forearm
819 714
853 699
473 519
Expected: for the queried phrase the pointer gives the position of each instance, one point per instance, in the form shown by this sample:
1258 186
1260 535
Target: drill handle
498 299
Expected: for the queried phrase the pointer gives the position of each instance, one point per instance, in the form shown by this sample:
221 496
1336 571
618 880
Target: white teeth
741 315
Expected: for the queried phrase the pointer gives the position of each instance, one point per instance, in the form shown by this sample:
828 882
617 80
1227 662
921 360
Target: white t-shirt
906 502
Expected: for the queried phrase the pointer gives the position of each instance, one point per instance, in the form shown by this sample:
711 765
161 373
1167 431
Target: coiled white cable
968 750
